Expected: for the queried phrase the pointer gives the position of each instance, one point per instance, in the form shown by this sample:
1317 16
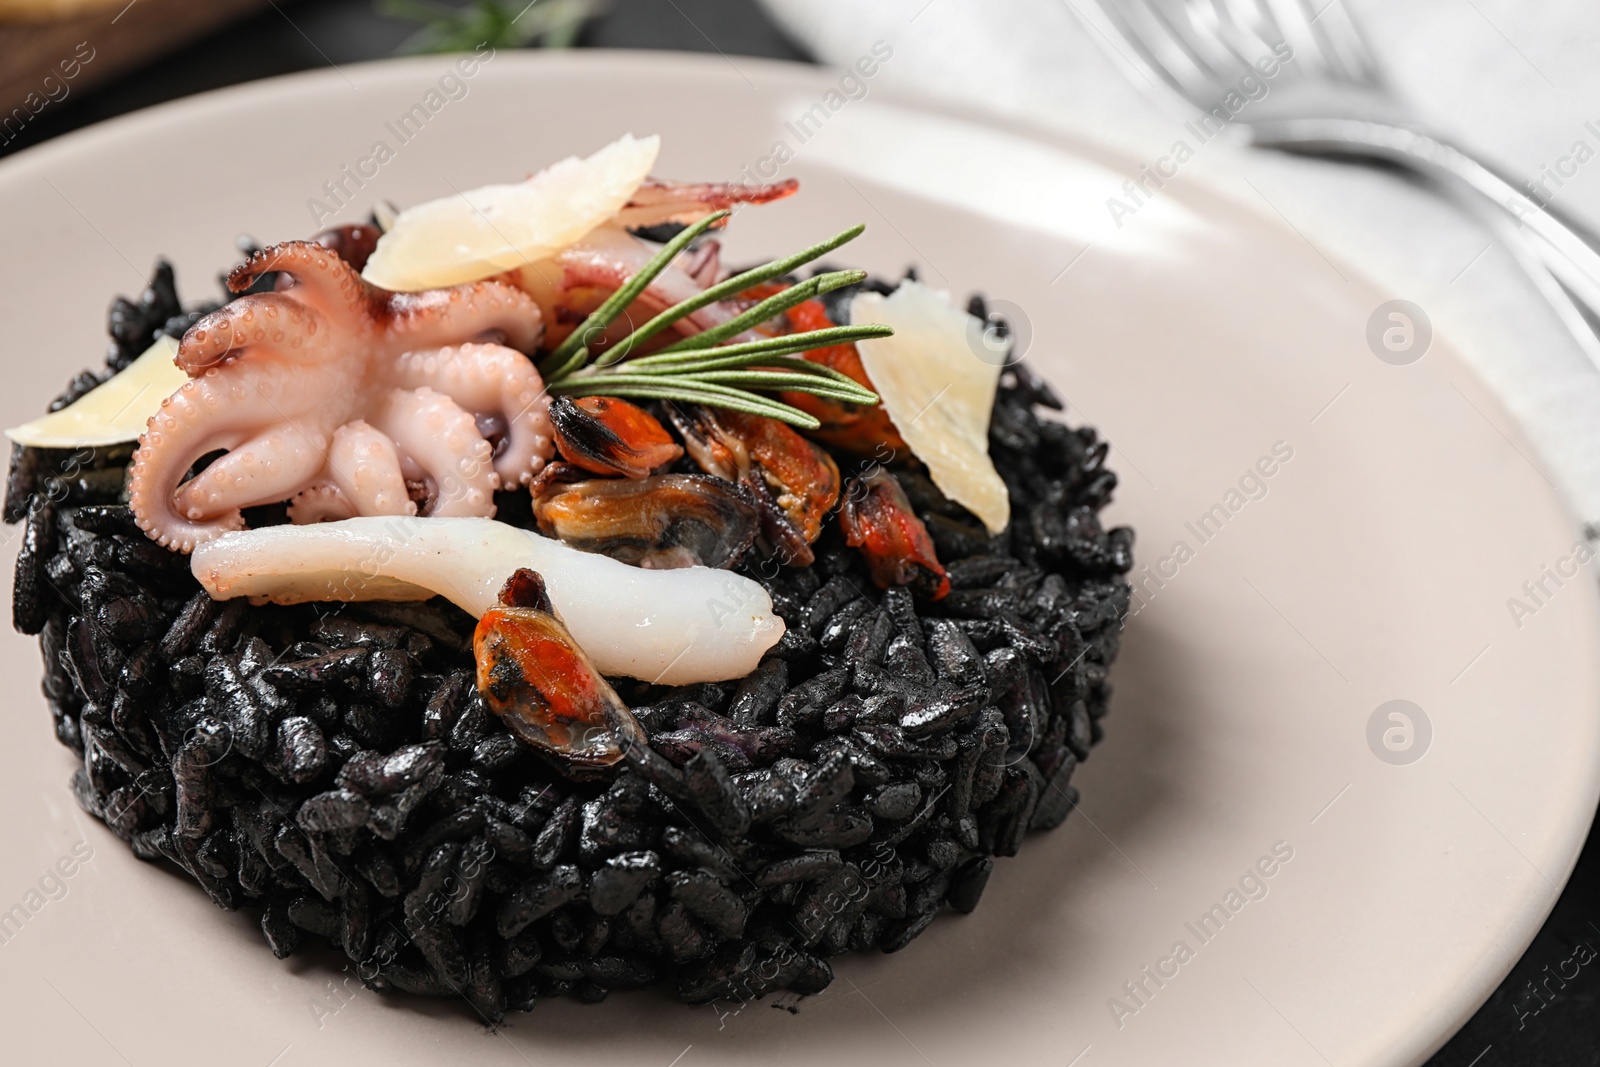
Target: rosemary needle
702 369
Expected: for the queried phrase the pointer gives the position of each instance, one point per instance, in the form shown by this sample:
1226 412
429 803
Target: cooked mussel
796 481
608 436
533 675
665 521
877 518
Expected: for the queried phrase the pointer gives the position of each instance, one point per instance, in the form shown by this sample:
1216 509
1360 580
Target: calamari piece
675 627
539 681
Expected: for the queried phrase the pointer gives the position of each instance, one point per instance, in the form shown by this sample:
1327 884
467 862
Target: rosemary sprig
799 366
754 351
627 293
701 369
691 393
769 308
731 287
761 379
496 23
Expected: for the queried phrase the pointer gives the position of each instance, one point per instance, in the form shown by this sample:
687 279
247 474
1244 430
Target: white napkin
1515 81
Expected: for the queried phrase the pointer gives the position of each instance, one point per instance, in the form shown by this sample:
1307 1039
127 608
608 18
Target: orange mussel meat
865 431
661 522
796 481
877 518
604 435
533 675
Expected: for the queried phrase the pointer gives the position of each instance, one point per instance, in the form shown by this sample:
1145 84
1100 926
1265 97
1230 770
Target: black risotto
332 767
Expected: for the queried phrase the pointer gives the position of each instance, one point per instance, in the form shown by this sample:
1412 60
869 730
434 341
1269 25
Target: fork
1326 96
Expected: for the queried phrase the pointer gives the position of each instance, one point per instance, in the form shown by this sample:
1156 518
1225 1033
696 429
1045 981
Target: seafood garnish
938 384
329 721
572 283
657 201
667 521
608 436
877 518
112 412
865 430
703 263
542 685
673 627
796 481
482 232
700 368
338 394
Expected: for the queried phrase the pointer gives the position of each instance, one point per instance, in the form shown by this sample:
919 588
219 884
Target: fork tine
1157 49
1314 52
1256 19
1202 48
1254 24
1343 42
1293 22
1248 32
1184 27
1324 41
1209 38
1210 35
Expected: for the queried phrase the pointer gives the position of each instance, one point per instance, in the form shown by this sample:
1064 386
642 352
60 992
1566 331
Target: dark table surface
1546 1013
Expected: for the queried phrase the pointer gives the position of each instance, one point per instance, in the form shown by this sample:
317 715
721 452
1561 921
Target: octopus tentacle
491 380
284 380
320 278
437 317
320 502
174 439
364 466
434 433
263 319
264 469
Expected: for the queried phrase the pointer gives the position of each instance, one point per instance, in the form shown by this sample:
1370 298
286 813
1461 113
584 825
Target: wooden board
44 63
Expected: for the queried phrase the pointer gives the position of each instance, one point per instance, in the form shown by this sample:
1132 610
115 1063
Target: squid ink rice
333 769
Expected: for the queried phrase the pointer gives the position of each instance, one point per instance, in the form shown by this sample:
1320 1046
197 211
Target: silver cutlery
1326 96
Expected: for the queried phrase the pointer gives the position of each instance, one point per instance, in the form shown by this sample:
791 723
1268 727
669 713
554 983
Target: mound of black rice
333 768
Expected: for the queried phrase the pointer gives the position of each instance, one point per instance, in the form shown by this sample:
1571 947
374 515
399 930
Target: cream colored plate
1198 336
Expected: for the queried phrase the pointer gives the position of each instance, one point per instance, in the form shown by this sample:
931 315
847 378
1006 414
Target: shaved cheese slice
482 232
114 411
938 388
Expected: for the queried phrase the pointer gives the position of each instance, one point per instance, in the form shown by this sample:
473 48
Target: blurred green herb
497 23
